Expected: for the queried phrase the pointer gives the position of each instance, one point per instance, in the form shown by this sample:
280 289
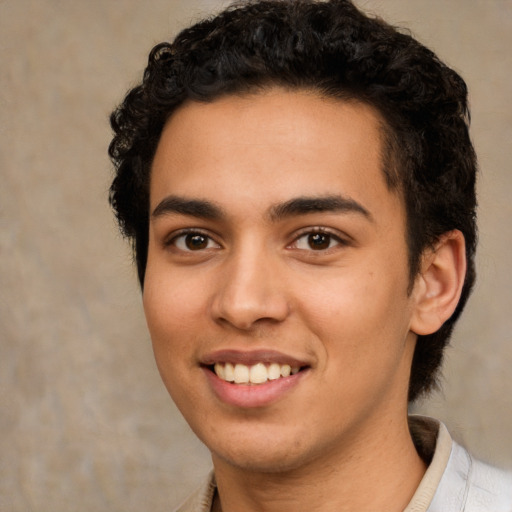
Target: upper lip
251 357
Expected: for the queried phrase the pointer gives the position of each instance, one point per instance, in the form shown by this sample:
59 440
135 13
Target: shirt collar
434 444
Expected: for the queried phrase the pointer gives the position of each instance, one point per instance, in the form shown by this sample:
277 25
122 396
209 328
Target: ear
438 286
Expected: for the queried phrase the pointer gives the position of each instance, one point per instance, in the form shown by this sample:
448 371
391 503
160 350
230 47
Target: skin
256 282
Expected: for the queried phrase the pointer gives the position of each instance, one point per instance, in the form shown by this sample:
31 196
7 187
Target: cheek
171 314
169 299
341 297
172 311
357 311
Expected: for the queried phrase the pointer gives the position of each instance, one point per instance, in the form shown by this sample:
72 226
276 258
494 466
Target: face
277 277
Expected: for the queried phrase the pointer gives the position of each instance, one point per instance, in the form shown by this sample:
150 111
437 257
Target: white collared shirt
454 481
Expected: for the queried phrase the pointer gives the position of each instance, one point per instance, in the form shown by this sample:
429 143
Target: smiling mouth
258 373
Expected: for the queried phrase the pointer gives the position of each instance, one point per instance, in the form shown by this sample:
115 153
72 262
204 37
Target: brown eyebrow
308 205
193 207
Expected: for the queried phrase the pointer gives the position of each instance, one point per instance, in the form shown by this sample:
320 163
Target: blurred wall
85 423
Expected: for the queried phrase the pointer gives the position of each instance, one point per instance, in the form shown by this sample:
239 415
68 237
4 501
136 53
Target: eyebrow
205 209
193 207
308 205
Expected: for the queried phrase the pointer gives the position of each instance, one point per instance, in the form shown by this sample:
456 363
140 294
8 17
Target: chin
262 452
270 462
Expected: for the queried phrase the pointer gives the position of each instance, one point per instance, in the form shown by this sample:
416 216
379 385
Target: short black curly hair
333 48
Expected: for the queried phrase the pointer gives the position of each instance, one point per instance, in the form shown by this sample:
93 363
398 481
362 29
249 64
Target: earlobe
439 284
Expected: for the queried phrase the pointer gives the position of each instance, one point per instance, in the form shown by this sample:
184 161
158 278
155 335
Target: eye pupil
319 241
196 241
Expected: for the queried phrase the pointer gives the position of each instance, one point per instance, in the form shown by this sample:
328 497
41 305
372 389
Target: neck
377 469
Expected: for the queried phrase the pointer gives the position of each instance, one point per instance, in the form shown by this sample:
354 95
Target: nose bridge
249 288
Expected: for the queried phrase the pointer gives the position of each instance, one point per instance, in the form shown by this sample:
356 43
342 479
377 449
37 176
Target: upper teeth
255 374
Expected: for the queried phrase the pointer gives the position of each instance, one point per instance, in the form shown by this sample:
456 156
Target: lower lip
252 395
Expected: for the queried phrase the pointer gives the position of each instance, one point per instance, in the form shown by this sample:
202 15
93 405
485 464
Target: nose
250 292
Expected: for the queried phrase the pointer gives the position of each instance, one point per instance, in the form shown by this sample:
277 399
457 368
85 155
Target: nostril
247 297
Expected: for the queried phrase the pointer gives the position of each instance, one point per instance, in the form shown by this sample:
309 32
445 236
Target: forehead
268 147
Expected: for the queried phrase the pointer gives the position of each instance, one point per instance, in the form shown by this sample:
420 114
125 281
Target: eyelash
309 232
172 241
306 232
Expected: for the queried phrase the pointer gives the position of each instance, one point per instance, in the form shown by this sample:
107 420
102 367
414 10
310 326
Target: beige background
85 423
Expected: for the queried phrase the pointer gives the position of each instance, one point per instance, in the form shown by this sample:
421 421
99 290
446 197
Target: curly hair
333 48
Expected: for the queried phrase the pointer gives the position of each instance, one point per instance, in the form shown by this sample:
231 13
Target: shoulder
455 481
473 486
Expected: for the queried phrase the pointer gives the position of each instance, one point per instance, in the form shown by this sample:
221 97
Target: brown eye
193 241
319 241
196 241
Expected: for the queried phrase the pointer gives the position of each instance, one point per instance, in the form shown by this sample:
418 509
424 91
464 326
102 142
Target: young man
298 183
